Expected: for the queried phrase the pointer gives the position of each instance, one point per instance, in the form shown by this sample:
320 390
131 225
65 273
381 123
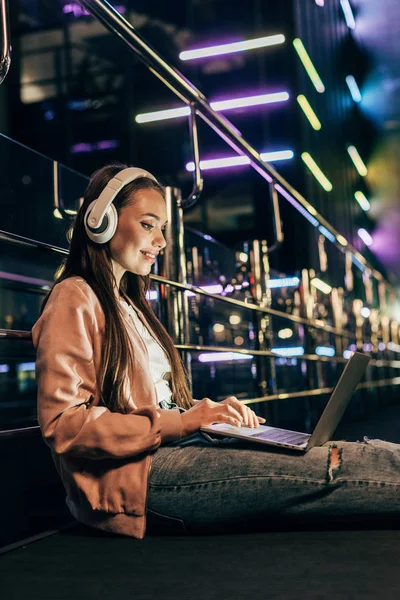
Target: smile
148 255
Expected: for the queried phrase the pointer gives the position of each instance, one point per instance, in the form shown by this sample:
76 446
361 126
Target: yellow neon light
357 160
308 111
316 171
342 240
321 285
362 201
308 65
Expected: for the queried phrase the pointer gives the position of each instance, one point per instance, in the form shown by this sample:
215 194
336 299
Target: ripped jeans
230 486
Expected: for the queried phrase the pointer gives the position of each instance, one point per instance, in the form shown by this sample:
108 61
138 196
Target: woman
115 407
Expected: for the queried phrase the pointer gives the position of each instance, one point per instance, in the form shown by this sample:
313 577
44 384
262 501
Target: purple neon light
219 105
81 147
297 205
106 144
365 236
235 161
240 46
223 357
78 11
25 279
88 147
249 101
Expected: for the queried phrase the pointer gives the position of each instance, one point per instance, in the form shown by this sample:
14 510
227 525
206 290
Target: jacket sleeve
71 424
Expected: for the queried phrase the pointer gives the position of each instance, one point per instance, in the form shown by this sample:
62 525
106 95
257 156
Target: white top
160 368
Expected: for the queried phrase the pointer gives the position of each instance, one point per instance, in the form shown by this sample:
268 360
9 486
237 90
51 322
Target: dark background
72 83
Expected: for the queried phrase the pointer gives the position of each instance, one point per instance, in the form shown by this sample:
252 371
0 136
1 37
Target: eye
147 226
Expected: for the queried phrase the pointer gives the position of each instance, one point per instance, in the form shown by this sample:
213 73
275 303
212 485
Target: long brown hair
92 262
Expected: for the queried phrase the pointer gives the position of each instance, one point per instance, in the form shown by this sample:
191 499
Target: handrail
189 94
5 55
14 334
20 240
395 364
255 307
197 178
321 391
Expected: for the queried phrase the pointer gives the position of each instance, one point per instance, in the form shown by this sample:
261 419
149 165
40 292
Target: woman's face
139 236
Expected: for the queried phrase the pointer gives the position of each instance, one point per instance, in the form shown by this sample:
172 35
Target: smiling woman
114 402
139 236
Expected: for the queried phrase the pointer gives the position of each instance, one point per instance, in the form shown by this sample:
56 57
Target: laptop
326 426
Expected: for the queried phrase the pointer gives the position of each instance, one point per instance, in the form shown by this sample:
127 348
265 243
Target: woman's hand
249 417
205 412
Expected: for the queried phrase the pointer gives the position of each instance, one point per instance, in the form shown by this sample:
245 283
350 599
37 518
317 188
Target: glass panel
29 194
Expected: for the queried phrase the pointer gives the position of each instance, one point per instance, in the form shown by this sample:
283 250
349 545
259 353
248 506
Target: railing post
174 302
266 376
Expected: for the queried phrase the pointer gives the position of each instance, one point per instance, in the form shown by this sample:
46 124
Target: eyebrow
152 215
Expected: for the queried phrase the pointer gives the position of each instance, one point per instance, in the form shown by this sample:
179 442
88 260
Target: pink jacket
103 458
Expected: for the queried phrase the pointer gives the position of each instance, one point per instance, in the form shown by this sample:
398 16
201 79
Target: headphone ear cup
104 233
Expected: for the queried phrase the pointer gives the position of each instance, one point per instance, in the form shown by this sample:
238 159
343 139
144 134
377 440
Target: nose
159 240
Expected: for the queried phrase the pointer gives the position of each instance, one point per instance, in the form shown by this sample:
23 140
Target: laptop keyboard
283 436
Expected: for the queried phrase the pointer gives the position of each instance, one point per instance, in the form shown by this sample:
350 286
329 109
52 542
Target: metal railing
5 51
199 104
175 281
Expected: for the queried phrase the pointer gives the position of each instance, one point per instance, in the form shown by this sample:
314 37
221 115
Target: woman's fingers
233 413
242 412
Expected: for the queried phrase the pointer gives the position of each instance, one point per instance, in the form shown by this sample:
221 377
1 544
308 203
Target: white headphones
101 218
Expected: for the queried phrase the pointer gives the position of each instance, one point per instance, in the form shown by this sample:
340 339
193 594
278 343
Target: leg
238 488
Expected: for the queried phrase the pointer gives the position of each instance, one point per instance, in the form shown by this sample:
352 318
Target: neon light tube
278 155
316 171
250 101
342 240
293 351
321 285
308 65
362 201
357 160
262 42
320 2
234 161
152 295
348 14
163 115
327 233
297 205
285 334
357 263
325 351
223 357
354 89
26 366
283 282
219 163
364 235
308 111
174 113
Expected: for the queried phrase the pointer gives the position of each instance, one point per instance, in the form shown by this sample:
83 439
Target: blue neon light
327 233
297 205
293 351
282 282
325 351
